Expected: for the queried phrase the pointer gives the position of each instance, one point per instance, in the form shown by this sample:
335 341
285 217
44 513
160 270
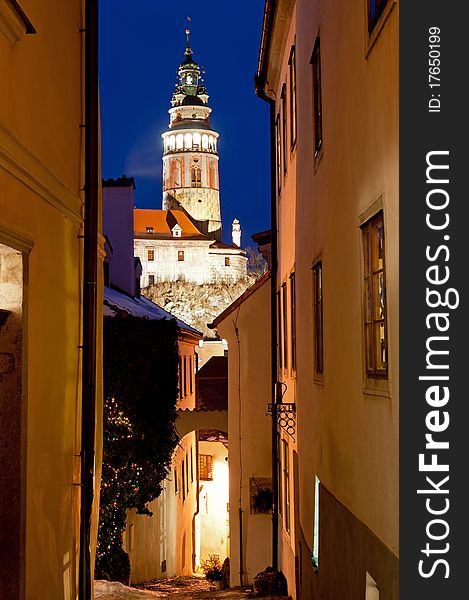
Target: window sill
377 387
318 158
13 21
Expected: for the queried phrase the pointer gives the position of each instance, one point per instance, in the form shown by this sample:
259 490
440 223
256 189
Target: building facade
171 248
42 147
329 71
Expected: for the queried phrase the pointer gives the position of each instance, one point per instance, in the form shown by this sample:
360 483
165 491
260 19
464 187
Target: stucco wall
249 429
41 214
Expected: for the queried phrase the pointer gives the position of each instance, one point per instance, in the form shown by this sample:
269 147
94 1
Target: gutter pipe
90 288
260 85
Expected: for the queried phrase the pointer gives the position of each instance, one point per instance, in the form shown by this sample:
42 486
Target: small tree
140 391
257 265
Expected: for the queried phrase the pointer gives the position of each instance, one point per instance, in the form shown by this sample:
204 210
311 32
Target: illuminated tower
190 158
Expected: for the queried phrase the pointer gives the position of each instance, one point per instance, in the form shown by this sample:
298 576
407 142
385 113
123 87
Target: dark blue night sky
141 46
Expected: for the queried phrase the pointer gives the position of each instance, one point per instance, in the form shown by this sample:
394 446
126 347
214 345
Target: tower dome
190 156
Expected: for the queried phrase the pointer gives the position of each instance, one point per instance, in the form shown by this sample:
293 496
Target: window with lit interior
374 297
205 467
196 177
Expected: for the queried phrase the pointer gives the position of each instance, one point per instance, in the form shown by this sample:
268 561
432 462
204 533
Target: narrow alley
181 588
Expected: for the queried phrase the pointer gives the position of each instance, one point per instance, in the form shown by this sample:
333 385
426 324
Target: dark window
279 330
206 467
284 126
284 323
191 374
286 485
180 377
293 319
175 481
150 230
279 474
187 474
279 154
184 377
192 465
180 255
317 97
292 63
318 319
196 177
375 10
151 280
374 297
183 481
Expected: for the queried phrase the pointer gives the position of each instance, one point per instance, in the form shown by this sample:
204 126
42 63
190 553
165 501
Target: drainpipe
90 285
260 85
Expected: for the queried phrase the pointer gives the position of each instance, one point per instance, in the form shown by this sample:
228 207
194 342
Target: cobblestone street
179 588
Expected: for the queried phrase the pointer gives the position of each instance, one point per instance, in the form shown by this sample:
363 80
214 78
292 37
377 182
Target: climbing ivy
140 368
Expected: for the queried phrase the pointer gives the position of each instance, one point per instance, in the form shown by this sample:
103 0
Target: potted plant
212 569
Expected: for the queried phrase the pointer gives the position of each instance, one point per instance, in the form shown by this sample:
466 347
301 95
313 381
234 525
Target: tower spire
188 51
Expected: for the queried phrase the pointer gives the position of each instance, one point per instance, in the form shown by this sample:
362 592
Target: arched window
172 142
196 177
196 141
188 141
210 143
205 141
179 141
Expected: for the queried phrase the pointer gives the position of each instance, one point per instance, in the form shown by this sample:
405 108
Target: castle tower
190 158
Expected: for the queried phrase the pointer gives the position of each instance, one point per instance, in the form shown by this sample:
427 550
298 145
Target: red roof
162 222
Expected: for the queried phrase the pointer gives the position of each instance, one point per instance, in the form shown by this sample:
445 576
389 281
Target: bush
212 568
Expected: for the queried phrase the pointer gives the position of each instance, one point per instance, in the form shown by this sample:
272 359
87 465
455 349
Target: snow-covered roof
115 301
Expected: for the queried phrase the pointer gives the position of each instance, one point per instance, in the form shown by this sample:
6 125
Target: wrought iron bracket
286 416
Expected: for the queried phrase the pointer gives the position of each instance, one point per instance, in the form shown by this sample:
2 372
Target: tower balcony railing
193 148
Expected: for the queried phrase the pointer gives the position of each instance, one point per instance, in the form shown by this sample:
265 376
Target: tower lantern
190 156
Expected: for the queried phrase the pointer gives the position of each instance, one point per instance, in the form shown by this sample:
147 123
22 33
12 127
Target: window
151 280
316 523
183 480
150 230
184 377
292 63
175 481
191 373
206 467
187 474
284 126
279 154
227 261
375 10
192 465
293 319
284 323
317 97
374 297
180 378
279 330
196 177
318 319
371 588
180 255
150 255
279 474
286 485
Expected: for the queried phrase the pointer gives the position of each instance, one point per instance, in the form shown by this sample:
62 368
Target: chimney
236 233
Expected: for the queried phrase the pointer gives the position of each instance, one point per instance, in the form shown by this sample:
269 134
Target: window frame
318 318
152 251
293 320
151 279
206 458
196 176
279 330
181 256
283 98
286 484
278 153
293 107
369 274
317 98
285 325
